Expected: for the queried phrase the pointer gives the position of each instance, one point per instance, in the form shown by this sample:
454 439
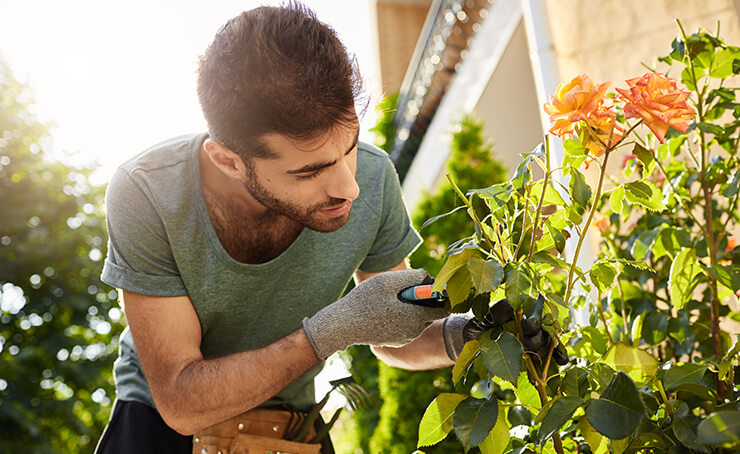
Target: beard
308 217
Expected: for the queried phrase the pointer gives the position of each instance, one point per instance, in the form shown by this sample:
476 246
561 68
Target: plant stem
542 197
582 235
667 403
603 320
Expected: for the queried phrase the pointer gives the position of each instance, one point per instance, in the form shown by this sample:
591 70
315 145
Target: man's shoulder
166 154
372 163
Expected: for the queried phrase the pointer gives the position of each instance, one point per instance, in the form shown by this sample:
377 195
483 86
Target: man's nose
343 183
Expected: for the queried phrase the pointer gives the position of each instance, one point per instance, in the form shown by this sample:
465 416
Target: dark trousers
136 428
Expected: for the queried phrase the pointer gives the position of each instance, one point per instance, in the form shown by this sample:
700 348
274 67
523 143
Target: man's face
311 182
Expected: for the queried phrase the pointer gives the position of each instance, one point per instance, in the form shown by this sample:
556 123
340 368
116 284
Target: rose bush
651 362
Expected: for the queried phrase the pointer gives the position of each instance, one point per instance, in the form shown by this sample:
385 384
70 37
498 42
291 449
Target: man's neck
248 231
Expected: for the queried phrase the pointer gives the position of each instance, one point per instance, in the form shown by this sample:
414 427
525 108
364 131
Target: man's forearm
423 353
210 391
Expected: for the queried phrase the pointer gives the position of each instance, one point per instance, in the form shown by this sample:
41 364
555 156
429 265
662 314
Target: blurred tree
58 322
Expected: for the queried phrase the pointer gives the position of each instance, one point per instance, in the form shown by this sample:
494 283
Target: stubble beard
309 217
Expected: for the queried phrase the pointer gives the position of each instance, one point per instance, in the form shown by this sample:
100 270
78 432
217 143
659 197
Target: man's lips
337 210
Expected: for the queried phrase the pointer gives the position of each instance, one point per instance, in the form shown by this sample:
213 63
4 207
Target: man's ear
224 159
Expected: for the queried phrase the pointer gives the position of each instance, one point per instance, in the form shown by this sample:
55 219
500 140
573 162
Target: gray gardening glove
371 314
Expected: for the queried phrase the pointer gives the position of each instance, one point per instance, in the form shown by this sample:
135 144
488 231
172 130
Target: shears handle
423 295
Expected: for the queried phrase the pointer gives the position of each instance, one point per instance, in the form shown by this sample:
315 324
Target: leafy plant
651 368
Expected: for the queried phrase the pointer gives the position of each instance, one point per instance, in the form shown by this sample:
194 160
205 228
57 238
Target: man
231 249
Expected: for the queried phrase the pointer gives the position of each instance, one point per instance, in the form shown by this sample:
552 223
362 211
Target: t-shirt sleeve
140 258
396 238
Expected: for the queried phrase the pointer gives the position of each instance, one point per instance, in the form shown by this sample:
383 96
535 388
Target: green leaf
526 392
503 356
486 274
453 263
580 191
641 247
722 64
655 327
603 275
644 193
596 441
683 374
522 177
557 237
437 421
466 356
729 276
459 286
638 364
575 382
498 439
435 218
499 194
733 186
558 414
619 410
616 199
728 360
517 287
681 283
720 428
574 153
474 419
645 156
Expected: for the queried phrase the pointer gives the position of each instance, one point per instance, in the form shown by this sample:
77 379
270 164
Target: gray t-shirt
162 243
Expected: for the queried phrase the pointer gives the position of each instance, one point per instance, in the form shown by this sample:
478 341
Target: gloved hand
459 329
371 314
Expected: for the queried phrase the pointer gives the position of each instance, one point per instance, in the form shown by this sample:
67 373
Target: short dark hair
276 70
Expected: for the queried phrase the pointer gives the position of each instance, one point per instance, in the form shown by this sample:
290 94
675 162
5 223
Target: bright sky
117 77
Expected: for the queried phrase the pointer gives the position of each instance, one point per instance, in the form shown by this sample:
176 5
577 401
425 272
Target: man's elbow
178 419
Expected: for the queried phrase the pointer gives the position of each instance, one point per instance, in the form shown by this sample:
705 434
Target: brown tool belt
258 431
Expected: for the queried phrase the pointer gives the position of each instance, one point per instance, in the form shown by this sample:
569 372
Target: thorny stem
714 303
542 197
582 236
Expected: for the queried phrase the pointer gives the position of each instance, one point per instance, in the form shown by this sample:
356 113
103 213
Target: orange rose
658 101
603 125
573 102
731 244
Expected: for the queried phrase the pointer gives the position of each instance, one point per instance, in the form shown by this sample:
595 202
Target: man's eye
308 176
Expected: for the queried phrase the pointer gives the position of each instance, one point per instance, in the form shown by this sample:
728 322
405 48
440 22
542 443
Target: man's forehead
342 137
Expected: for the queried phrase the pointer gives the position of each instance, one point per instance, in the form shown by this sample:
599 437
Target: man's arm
423 353
192 393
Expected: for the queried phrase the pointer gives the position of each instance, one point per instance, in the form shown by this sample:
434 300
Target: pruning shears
423 295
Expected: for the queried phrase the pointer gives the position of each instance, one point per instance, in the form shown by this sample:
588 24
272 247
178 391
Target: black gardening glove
461 328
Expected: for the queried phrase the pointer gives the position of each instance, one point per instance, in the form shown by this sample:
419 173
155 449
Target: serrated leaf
575 382
459 286
466 356
643 154
644 193
637 363
526 392
558 414
683 374
580 191
681 282
603 275
616 199
721 66
436 218
720 428
502 356
619 409
499 194
597 442
498 439
644 242
729 275
486 274
437 421
453 263
517 286
474 419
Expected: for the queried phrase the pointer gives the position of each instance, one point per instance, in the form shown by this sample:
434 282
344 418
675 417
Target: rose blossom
658 101
574 101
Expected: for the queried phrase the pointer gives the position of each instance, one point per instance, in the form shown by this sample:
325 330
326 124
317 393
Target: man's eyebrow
321 165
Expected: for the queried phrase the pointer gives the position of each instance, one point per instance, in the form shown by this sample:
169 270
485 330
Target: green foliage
651 369
58 322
